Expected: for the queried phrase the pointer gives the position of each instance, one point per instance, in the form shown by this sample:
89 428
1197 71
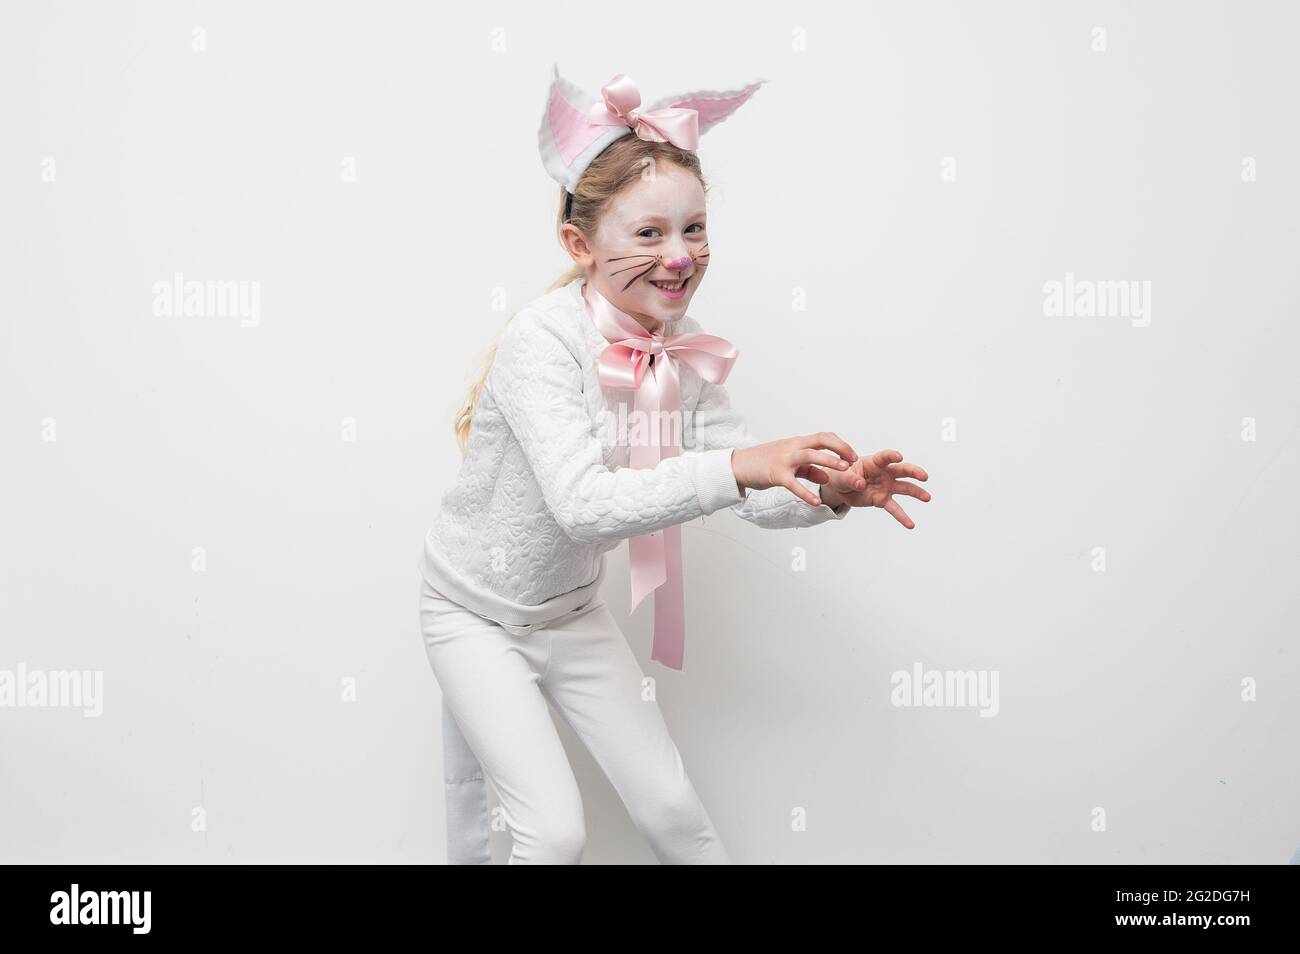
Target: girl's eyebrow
660 220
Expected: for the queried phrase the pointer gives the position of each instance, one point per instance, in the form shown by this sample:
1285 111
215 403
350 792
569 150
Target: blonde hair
622 163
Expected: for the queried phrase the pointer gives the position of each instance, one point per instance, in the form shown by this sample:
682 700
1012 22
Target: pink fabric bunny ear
713 106
577 126
568 139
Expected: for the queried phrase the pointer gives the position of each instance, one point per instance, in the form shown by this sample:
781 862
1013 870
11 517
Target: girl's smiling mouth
673 289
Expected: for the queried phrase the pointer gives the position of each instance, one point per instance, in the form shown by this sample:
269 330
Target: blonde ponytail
465 416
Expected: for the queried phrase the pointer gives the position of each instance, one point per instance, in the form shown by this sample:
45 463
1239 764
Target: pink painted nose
679 264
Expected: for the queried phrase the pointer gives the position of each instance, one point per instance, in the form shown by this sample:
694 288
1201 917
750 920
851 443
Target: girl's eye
651 232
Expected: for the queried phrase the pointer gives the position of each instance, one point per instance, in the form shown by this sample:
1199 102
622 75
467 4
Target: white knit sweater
545 489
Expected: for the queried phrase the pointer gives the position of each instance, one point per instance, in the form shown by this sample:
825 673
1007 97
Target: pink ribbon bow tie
676 124
646 362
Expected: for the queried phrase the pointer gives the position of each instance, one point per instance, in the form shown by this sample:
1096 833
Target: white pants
496 680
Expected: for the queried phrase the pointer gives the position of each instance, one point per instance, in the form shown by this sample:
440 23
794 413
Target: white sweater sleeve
537 383
716 423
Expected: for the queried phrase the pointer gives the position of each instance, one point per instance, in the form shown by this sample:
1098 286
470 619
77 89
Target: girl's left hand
872 481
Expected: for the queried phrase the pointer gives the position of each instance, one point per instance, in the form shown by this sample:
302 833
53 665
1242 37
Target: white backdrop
221 514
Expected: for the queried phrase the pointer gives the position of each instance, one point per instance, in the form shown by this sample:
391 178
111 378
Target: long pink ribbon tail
655 558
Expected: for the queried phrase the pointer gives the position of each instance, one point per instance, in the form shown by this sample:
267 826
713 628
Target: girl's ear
575 243
713 106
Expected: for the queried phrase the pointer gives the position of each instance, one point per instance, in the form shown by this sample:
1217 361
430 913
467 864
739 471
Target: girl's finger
911 489
907 470
831 441
815 474
802 492
891 506
884 458
810 456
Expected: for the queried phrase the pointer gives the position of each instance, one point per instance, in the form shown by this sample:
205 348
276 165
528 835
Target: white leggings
496 682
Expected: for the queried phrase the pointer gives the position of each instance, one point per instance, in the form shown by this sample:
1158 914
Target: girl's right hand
778 463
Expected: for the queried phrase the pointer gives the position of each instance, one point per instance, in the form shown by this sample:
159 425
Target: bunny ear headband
578 126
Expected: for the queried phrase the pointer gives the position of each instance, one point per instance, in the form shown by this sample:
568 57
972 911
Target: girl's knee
672 810
553 838
678 828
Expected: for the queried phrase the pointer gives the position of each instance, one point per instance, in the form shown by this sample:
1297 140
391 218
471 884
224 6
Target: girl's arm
715 424
537 383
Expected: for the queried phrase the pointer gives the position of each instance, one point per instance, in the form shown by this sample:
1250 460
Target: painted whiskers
700 260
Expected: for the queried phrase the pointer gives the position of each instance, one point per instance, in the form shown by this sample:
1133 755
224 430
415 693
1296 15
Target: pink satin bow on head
656 557
676 124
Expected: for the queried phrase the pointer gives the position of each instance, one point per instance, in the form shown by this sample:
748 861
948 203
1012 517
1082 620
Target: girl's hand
778 463
872 482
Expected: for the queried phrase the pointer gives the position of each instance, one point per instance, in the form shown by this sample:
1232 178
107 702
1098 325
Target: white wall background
1119 689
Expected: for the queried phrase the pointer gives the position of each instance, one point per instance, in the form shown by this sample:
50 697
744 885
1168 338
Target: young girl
510 608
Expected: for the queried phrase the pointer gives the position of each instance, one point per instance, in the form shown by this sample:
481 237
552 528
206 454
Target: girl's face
650 249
